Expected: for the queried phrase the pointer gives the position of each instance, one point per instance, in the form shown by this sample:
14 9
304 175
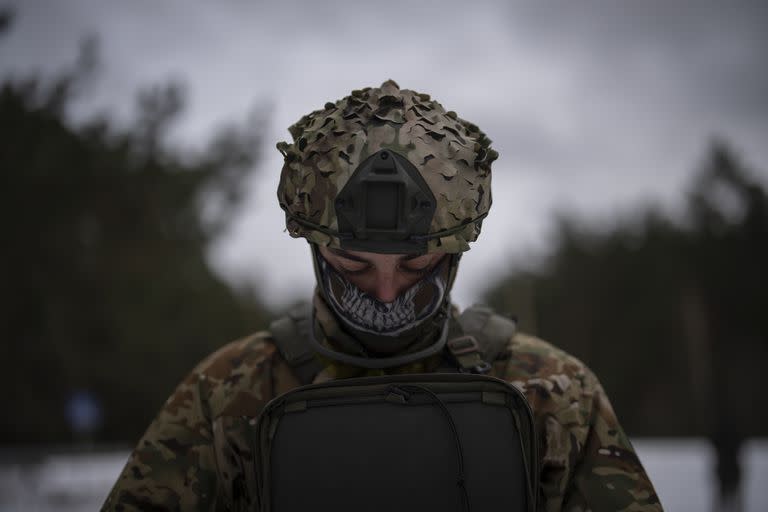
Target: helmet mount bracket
385 207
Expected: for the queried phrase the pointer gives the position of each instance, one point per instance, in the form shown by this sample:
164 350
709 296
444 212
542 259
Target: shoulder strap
485 338
291 336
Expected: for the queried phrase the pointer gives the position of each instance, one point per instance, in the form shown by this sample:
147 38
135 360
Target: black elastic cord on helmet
450 231
317 227
349 236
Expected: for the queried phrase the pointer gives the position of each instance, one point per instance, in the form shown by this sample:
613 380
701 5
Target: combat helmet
386 170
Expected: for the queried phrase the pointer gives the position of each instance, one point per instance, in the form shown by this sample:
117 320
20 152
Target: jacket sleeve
194 454
608 475
173 465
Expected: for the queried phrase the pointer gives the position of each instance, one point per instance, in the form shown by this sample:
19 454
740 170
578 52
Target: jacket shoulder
588 462
557 385
534 358
237 379
235 356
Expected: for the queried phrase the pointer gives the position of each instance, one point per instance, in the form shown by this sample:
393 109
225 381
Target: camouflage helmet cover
452 155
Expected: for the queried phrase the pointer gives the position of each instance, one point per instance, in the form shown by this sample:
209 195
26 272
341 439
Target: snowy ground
680 470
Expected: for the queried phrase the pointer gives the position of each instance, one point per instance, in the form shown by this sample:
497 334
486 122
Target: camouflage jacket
196 454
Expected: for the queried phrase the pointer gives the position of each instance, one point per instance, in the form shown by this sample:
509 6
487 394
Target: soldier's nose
386 289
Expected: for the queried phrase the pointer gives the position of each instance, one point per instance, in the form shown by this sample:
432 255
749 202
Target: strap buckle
482 369
468 355
463 345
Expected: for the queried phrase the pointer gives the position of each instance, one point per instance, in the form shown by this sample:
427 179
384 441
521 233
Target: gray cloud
697 56
592 104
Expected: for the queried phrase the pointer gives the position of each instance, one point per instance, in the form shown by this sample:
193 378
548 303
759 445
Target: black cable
461 479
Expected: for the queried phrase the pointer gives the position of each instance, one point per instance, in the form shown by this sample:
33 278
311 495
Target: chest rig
454 440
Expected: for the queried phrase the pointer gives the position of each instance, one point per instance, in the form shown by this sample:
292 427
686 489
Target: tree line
107 293
668 310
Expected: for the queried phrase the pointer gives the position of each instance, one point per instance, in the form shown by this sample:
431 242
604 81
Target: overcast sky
594 106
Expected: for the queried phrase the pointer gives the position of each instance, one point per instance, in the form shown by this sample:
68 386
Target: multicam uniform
198 453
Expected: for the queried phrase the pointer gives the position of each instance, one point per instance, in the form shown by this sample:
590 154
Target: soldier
389 189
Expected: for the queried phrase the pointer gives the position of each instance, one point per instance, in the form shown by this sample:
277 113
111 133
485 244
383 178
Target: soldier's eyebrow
344 254
408 257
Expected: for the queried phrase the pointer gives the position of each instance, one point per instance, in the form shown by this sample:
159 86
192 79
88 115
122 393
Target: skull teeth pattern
376 315
363 312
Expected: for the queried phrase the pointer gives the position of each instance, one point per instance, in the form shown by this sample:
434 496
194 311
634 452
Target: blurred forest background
670 314
108 299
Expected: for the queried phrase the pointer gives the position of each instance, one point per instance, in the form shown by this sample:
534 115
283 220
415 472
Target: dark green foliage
670 316
105 284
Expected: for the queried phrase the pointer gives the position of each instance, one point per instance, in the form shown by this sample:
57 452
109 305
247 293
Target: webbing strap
468 355
483 340
291 334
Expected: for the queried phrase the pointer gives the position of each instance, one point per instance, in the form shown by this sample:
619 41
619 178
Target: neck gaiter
362 312
413 321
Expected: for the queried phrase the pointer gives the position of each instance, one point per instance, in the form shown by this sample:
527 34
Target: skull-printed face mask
364 313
